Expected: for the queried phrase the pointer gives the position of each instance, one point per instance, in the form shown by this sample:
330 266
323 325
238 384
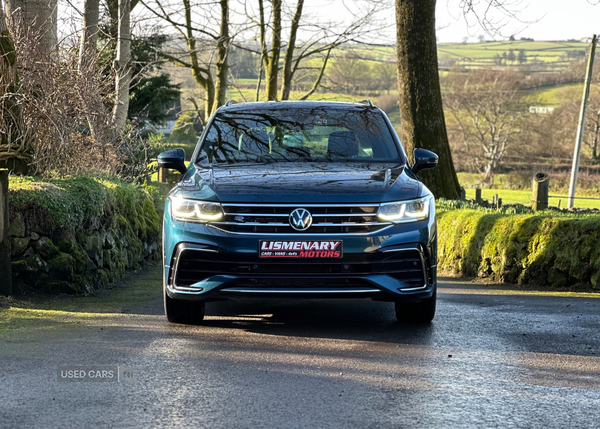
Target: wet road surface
491 358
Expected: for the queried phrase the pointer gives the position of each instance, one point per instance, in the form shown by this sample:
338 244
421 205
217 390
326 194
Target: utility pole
579 138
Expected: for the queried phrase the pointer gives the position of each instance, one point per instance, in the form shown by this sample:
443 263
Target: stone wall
82 258
541 249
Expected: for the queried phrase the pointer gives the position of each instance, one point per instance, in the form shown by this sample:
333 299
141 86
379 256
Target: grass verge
42 314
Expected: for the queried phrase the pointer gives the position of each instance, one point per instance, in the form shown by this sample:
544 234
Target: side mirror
174 158
423 159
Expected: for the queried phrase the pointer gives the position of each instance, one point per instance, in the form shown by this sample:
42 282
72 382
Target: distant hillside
540 56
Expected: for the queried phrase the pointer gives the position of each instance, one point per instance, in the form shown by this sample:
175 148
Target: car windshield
297 135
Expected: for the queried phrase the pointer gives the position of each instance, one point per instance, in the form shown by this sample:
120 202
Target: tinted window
292 135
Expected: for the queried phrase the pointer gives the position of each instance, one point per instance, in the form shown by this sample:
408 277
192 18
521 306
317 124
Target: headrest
342 144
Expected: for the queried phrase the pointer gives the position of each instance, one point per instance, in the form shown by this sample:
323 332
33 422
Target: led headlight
404 211
194 210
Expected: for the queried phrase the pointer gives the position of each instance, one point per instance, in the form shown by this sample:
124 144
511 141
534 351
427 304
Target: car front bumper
397 263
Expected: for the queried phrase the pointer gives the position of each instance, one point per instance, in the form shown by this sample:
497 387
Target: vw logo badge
300 219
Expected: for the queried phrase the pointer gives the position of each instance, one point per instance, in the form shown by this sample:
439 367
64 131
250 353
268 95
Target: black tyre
421 312
186 312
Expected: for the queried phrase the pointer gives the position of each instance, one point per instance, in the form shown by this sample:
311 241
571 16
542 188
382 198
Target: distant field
555 95
250 95
545 51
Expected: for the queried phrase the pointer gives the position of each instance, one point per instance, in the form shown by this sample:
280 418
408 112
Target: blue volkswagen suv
299 199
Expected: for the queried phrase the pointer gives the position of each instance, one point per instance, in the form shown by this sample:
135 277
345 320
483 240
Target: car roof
304 104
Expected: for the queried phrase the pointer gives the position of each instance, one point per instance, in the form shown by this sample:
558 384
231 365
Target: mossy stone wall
79 234
537 249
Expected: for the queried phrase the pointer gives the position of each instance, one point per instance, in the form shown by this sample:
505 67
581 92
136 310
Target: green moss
102 277
7 48
537 248
79 261
118 264
70 208
66 246
62 266
70 203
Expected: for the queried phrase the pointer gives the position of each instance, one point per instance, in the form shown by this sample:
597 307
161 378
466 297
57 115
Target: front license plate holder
301 249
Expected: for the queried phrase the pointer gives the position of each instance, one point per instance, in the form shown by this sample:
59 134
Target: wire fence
575 198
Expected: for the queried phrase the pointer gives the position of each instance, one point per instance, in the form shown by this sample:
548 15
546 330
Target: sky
539 20
536 19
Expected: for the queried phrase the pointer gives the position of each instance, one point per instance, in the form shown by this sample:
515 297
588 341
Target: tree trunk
14 145
223 44
89 35
422 116
122 67
34 18
87 69
209 88
272 66
289 53
202 76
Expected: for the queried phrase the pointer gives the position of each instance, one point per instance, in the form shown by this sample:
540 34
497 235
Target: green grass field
544 51
511 196
555 95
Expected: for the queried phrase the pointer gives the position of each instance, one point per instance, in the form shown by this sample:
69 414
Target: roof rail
230 102
366 102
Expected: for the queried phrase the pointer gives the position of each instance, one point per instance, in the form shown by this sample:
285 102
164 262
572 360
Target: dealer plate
300 249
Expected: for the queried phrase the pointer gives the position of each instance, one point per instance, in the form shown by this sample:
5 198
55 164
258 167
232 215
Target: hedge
543 248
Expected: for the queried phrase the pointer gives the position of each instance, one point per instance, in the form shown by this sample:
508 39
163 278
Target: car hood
301 182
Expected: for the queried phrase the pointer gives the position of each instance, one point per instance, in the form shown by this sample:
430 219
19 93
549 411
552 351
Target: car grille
274 218
193 265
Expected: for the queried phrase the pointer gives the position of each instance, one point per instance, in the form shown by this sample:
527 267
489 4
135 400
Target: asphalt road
489 359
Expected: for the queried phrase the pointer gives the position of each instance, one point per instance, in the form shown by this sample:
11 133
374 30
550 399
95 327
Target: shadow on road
362 320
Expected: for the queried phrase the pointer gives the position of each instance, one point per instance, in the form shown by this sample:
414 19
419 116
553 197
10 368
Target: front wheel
421 312
186 312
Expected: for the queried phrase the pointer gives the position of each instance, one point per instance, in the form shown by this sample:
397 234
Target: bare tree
213 84
51 107
570 113
386 74
349 73
223 47
592 134
324 37
488 113
493 16
14 145
86 66
288 61
270 58
34 18
89 34
122 67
